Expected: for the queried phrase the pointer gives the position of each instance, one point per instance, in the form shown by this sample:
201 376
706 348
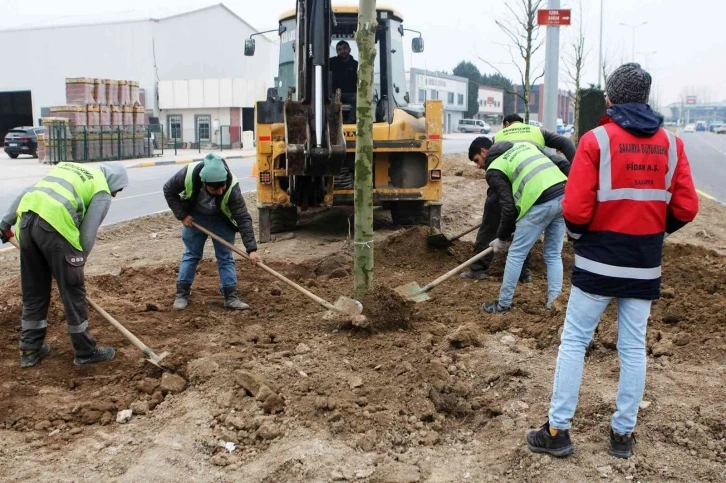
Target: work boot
182 295
526 275
542 441
32 357
474 275
621 445
494 307
100 354
232 301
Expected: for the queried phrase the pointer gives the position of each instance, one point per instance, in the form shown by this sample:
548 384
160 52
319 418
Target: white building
452 91
491 104
190 65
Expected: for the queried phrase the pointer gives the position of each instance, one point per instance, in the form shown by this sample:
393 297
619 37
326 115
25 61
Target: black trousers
488 232
46 255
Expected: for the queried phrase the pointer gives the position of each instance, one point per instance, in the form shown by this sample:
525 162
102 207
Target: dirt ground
431 392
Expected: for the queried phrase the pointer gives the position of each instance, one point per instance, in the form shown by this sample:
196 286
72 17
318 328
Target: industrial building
452 91
191 66
565 104
491 104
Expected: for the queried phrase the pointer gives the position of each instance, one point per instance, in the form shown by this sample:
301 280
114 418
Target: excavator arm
314 122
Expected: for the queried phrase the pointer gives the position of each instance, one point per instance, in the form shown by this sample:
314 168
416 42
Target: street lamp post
599 65
647 57
633 27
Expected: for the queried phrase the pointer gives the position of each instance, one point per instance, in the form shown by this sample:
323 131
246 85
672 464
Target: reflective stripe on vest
62 197
189 188
616 271
606 191
530 172
520 132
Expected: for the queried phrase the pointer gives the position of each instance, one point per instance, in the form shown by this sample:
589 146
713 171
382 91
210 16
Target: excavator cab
305 129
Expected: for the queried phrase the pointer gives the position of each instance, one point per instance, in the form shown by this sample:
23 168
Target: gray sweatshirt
96 211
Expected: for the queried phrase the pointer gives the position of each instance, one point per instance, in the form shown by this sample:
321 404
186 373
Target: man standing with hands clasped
630 186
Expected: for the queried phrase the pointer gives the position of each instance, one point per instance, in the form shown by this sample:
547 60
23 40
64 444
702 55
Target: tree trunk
363 187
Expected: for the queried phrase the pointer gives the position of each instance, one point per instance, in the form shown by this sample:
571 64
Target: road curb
148 164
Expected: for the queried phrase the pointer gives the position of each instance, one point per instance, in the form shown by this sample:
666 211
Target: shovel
343 305
150 355
413 291
440 240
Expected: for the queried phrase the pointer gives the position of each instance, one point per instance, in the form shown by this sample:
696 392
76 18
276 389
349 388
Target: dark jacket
501 185
181 208
345 75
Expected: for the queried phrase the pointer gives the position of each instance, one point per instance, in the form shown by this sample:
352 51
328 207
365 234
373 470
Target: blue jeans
545 218
583 315
194 241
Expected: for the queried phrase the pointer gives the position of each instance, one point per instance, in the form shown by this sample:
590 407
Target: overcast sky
687 39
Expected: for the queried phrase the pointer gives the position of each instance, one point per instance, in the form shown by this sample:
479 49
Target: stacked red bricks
102 119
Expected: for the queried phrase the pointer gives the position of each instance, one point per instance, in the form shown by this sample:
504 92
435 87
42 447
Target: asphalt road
707 154
143 196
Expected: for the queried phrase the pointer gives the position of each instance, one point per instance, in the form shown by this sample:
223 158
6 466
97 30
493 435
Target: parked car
474 125
689 128
570 128
22 140
720 129
715 125
535 123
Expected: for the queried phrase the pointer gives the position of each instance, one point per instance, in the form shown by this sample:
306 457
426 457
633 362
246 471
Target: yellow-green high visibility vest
530 172
189 190
62 197
521 132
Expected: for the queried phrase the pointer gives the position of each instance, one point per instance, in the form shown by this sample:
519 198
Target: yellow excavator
305 129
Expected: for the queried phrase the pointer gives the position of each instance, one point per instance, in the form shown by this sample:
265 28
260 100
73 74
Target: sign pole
552 68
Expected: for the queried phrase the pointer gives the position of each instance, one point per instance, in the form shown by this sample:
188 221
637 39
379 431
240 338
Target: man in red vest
630 186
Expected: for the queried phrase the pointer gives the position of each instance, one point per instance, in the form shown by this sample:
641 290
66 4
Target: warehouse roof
151 15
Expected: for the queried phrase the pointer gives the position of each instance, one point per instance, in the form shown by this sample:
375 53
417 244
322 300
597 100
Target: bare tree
523 32
575 58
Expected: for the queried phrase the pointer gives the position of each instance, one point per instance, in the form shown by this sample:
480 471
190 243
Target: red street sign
553 17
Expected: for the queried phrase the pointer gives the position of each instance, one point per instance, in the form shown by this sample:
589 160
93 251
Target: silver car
474 125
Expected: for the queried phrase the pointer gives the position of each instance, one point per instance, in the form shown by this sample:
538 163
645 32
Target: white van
474 125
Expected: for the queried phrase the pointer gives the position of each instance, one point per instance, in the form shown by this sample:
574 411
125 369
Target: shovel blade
348 305
412 291
156 359
439 240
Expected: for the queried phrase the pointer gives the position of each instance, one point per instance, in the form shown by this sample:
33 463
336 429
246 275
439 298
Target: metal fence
99 143
81 144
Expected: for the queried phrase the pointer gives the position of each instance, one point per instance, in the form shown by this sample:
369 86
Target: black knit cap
628 83
482 142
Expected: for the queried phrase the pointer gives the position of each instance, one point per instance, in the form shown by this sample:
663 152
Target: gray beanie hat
628 83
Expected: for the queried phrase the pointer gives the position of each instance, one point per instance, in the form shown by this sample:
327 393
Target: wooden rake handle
466 232
264 267
454 271
126 333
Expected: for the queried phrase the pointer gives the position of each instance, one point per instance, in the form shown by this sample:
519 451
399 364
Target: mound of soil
436 374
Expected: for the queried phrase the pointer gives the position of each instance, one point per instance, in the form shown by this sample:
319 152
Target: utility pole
633 27
365 37
552 69
599 62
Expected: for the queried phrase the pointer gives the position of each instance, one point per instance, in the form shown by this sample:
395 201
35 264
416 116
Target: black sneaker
526 275
540 441
494 308
474 275
100 354
31 358
621 445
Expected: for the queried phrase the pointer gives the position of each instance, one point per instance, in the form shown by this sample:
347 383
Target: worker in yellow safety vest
58 219
208 193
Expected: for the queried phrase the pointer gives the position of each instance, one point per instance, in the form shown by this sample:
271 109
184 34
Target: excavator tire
282 219
409 213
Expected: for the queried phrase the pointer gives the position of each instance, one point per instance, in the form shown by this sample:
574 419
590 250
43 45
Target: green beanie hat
213 170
